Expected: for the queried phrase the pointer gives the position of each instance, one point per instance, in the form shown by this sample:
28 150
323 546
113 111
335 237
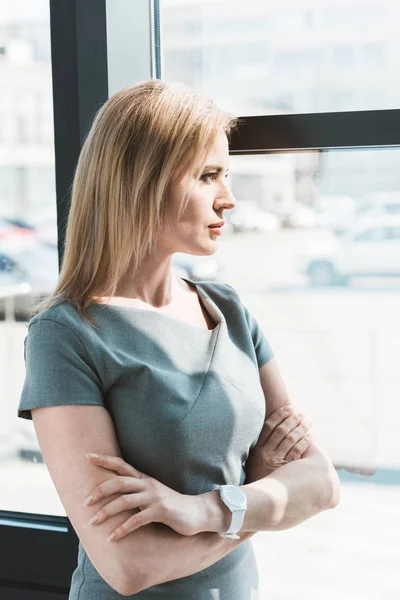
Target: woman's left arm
295 491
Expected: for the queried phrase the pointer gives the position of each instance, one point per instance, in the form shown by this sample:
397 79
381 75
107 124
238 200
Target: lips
219 224
216 230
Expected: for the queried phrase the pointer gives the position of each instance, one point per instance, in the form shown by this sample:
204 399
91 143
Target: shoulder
62 318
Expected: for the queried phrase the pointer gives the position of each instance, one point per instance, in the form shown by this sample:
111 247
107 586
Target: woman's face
210 196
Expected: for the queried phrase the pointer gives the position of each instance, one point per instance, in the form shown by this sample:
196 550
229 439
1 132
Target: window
372 235
394 233
28 236
336 337
305 49
328 305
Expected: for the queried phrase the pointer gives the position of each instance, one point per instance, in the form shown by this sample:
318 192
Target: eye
211 176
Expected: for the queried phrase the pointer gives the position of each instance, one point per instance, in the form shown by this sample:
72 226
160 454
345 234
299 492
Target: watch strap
235 526
238 510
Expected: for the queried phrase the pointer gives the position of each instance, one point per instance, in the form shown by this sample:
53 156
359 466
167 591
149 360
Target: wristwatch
236 501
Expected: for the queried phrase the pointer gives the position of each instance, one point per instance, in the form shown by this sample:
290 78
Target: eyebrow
215 168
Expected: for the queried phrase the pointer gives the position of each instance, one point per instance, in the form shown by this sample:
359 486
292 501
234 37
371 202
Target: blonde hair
143 137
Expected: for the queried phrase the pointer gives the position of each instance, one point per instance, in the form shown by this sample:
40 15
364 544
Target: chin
198 252
200 249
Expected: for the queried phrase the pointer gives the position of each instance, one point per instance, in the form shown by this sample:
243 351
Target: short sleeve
58 369
262 347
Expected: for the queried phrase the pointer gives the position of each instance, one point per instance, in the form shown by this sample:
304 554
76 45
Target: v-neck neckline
216 313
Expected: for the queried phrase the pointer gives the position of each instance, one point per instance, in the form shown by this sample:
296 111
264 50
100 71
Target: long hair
143 137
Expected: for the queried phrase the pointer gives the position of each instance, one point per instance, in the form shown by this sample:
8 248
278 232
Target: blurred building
252 58
27 181
285 56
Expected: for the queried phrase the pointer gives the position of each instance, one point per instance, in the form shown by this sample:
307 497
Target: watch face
235 496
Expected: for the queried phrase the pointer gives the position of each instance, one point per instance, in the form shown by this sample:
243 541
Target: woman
171 383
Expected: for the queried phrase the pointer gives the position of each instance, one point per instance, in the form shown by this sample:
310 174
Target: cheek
195 216
197 210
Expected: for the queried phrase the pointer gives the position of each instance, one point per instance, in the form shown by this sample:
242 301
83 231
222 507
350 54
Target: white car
336 213
247 216
370 248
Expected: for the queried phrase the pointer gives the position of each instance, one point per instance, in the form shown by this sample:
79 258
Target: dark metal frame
341 130
39 551
38 561
80 87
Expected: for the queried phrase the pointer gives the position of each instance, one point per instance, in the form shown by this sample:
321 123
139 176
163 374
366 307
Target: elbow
327 485
123 589
333 488
123 586
131 584
128 588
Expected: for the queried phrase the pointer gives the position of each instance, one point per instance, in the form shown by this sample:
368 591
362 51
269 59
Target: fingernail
287 409
111 537
88 500
93 520
90 455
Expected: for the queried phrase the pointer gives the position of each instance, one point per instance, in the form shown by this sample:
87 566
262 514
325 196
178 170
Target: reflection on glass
28 236
313 247
275 57
327 228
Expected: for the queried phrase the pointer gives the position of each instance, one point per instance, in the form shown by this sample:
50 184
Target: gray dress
187 405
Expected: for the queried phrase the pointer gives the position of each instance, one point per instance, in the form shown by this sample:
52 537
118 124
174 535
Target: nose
225 199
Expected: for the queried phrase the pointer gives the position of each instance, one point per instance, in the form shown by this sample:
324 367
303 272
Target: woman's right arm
152 554
65 397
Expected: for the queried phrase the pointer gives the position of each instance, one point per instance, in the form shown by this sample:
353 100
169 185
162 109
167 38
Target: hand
284 438
157 502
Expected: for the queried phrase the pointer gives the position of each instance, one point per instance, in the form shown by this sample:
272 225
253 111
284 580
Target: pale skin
154 286
284 438
280 494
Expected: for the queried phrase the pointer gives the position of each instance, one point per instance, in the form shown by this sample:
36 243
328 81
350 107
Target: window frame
89 41
85 58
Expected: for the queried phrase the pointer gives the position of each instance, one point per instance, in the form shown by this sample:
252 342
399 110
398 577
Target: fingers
273 421
114 463
116 485
125 502
294 436
282 430
298 450
142 518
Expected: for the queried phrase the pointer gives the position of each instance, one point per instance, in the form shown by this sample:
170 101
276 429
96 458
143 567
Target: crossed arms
291 494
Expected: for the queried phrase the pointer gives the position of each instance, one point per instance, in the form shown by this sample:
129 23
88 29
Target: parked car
247 216
301 216
370 248
15 231
379 204
335 212
27 275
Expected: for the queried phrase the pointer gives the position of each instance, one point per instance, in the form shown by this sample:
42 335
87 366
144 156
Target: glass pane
327 296
28 237
260 57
